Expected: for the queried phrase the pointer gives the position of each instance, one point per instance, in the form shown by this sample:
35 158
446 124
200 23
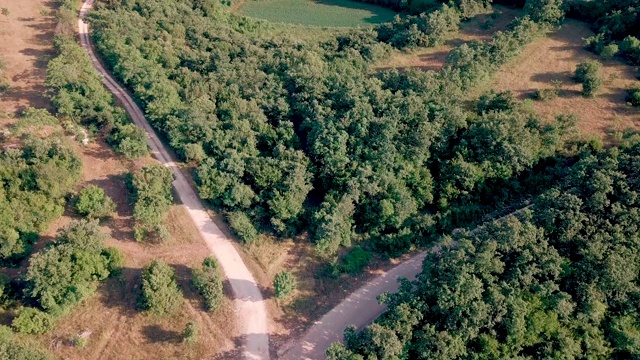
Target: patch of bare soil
555 57
480 27
25 48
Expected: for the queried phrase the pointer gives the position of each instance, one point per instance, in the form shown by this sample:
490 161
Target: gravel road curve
359 309
249 305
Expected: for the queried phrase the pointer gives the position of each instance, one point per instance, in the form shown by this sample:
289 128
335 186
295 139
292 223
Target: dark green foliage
93 203
283 284
33 183
160 293
559 280
242 226
355 261
588 73
65 272
208 282
14 347
633 96
496 102
151 189
33 321
293 135
630 49
545 11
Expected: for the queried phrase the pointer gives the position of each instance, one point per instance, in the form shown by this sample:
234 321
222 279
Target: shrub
93 203
33 321
79 341
242 226
152 193
355 261
129 140
587 69
545 11
208 282
633 96
190 333
630 49
160 293
284 284
591 86
545 94
609 51
115 260
15 348
65 273
498 102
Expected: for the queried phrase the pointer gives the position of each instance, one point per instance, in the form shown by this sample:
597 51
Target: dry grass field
555 57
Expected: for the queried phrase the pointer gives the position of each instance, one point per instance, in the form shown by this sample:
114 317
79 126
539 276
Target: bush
545 94
591 86
190 333
93 203
153 196
630 50
498 102
33 321
129 140
355 261
284 284
633 96
160 293
587 69
115 260
242 226
609 51
208 282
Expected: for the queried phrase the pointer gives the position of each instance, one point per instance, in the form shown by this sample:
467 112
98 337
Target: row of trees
289 135
560 280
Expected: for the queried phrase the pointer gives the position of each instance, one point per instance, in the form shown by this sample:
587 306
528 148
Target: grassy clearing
555 57
330 13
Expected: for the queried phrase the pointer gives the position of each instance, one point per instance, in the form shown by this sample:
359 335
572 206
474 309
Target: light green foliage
65 272
242 226
93 203
160 293
208 282
190 333
115 260
16 348
609 51
152 194
335 13
32 321
33 183
80 95
284 284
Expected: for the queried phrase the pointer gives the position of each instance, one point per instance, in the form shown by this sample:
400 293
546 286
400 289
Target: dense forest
557 281
290 136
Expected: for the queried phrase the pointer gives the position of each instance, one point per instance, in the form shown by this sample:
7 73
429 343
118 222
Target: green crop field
334 13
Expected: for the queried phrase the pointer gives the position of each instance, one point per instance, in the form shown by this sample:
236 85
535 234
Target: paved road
360 309
250 307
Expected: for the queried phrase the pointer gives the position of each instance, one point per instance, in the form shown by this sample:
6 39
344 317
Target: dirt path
359 309
249 304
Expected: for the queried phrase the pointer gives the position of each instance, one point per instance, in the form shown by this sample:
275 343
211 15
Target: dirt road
250 307
360 309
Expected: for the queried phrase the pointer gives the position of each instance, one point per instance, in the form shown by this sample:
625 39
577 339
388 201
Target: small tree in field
209 283
93 203
190 333
284 284
588 73
5 12
160 292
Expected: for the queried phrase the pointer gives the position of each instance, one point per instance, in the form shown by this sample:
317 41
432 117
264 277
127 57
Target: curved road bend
250 308
359 309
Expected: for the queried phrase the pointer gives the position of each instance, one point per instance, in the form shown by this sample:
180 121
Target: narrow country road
249 305
359 309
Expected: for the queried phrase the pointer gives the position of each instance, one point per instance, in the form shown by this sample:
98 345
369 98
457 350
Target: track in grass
331 13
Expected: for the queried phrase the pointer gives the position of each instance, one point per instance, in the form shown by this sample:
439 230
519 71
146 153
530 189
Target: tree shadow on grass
156 334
